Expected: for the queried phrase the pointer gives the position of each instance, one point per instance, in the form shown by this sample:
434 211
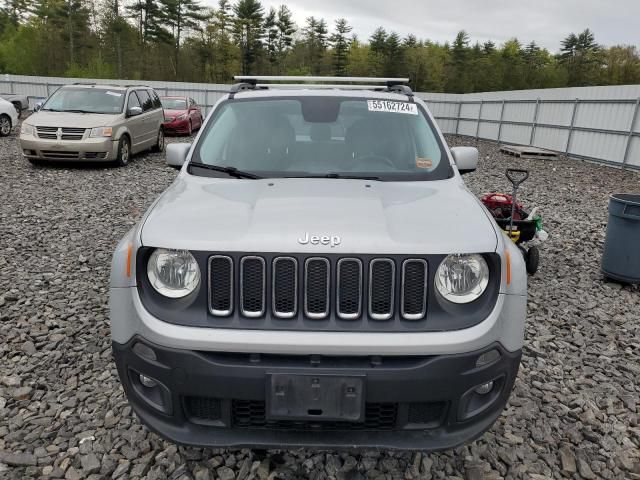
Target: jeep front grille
381 288
285 287
414 289
349 288
318 288
221 285
252 286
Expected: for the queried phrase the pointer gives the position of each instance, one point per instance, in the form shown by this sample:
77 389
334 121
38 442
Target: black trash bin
621 259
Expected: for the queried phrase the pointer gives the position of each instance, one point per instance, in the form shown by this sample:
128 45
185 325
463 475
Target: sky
545 21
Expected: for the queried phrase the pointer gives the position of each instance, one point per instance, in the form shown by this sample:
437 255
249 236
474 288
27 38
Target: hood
173 113
71 120
273 215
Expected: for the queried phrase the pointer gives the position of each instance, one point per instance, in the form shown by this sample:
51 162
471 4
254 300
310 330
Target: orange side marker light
129 255
507 256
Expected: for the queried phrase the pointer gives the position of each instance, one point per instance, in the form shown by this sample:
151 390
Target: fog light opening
487 358
484 388
144 351
148 382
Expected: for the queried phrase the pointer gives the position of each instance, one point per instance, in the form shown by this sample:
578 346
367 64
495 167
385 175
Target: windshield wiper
231 171
78 111
337 175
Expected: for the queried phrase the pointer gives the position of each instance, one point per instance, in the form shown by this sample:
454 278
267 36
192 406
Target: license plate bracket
315 398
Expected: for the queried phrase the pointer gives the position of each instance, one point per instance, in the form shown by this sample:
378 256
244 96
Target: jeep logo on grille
333 240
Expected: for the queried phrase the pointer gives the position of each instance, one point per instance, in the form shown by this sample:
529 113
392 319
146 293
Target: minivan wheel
159 146
5 125
124 152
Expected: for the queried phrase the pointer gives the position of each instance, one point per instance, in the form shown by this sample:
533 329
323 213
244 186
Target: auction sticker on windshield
392 107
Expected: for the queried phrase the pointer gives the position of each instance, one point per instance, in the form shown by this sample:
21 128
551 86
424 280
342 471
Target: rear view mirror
466 159
177 154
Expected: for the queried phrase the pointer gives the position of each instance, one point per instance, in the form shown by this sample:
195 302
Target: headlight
101 132
462 278
27 129
182 117
173 273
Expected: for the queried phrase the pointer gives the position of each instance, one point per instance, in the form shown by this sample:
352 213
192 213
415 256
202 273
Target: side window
155 99
145 100
133 101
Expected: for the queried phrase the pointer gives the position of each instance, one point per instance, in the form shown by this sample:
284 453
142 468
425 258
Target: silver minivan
90 122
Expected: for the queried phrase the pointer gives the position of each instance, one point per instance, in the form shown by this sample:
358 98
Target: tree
378 51
622 65
340 44
17 11
248 31
458 79
271 29
315 40
583 58
284 38
394 61
179 16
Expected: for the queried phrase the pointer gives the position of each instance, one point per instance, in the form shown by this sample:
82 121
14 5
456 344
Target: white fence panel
595 123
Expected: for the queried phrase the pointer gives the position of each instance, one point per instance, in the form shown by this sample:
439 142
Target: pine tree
378 51
394 62
340 43
582 57
248 31
271 29
180 16
286 29
17 10
315 39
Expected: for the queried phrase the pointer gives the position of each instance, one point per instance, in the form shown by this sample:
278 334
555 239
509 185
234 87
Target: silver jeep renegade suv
318 275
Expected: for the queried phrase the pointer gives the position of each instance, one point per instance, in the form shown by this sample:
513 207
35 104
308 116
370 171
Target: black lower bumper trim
219 400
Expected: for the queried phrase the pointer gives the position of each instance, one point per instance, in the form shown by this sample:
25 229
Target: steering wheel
371 158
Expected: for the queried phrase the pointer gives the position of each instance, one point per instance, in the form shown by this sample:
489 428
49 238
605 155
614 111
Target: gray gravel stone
18 459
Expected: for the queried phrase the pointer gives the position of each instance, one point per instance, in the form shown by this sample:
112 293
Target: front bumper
90 149
177 126
218 399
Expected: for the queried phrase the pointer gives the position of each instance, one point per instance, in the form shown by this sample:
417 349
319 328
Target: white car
8 117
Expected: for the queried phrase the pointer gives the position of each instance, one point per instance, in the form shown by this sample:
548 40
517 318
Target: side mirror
466 159
37 107
134 112
177 154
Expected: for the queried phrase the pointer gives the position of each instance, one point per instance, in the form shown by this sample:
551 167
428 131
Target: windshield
86 100
324 136
174 103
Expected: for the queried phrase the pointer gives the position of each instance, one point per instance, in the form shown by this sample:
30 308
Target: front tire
532 260
124 152
159 146
5 125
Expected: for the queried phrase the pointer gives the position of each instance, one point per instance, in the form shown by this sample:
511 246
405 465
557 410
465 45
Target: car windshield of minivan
86 100
174 103
326 137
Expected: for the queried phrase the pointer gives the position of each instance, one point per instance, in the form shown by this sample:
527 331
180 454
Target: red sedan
182 115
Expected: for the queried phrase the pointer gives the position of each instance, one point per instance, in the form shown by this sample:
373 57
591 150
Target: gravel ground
573 414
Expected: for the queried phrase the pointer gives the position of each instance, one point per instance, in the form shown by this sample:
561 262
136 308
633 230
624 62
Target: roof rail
248 82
